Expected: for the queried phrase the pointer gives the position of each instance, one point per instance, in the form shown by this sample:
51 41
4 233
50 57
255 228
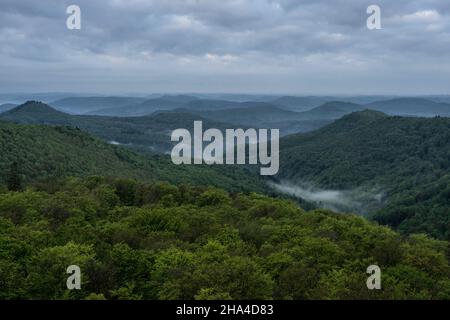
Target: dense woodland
208 232
158 241
405 159
44 152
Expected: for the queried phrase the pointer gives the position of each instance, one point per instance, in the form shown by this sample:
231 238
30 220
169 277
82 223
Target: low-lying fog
355 200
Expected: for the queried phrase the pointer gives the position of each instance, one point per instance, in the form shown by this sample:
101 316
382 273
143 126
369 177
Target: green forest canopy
408 159
134 240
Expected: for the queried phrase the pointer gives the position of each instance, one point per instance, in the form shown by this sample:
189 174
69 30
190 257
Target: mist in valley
359 200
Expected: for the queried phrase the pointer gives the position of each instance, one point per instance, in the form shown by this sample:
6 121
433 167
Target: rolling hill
168 103
300 104
406 106
330 111
398 168
145 133
43 151
82 105
247 114
151 131
56 151
411 107
212 105
305 103
145 107
262 115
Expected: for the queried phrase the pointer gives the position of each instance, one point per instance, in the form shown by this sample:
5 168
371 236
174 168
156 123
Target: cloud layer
284 46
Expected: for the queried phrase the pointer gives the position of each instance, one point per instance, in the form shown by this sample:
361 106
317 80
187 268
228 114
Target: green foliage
404 161
14 180
135 240
46 152
144 133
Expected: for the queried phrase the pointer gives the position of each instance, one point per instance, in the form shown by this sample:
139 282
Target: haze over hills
147 133
21 97
263 115
212 105
305 103
439 98
188 103
247 114
145 107
331 111
193 103
7 106
394 168
397 168
285 113
81 105
300 104
130 106
418 107
411 107
152 130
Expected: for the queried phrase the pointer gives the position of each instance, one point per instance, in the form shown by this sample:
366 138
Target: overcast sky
249 46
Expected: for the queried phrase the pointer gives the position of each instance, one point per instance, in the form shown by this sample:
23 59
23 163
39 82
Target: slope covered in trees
159 241
406 159
148 133
52 151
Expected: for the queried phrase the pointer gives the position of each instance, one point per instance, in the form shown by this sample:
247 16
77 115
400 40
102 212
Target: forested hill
157 241
149 133
407 159
54 151
136 239
47 151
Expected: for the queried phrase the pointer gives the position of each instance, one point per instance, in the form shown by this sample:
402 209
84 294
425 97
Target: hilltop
411 107
406 160
81 105
146 133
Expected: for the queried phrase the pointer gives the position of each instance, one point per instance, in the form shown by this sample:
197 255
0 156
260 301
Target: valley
359 187
217 152
394 170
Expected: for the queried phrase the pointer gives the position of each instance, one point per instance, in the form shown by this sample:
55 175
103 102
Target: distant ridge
300 103
412 107
150 133
331 110
36 112
82 105
7 106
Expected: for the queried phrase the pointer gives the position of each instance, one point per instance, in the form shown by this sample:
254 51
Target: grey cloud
286 39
